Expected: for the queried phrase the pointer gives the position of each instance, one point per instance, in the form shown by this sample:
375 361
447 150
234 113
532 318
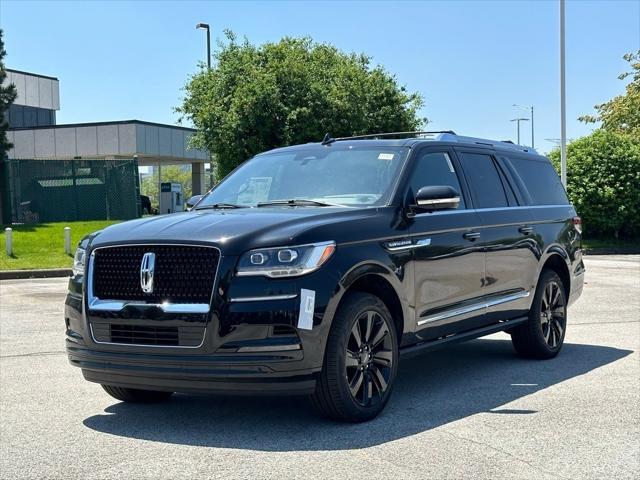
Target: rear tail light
577 223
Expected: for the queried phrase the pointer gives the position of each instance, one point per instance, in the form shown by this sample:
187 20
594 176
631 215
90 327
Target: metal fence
37 191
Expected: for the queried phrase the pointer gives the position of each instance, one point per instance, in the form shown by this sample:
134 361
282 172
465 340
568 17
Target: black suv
313 269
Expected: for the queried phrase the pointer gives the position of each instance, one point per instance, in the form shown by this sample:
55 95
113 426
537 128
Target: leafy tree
294 91
603 182
622 113
170 173
8 94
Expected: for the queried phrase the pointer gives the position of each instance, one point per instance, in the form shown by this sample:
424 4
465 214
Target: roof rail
328 139
438 135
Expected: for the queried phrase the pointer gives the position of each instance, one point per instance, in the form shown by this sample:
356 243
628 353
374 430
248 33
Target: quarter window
484 180
435 168
540 179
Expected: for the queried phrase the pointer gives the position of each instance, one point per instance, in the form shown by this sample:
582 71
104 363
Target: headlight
79 261
285 261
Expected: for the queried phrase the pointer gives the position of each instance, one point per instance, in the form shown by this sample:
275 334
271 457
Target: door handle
526 229
472 236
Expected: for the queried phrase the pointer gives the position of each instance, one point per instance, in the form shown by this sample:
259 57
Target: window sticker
385 156
256 190
307 307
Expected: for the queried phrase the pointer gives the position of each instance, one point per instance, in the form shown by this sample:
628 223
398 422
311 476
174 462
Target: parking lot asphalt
472 411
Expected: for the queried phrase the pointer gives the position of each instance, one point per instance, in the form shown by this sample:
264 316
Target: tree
622 113
603 182
8 94
170 173
294 91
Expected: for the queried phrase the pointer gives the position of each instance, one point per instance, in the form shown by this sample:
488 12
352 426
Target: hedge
603 182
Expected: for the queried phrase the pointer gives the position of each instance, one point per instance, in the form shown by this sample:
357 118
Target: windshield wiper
297 202
217 206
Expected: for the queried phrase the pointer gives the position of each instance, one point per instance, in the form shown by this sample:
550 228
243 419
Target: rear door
506 235
448 263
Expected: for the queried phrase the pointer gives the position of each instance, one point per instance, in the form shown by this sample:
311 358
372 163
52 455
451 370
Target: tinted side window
435 168
540 179
486 187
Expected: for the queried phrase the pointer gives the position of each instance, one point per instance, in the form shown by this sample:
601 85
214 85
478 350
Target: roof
30 74
99 124
413 138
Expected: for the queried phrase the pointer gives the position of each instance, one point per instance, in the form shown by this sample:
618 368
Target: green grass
42 245
589 243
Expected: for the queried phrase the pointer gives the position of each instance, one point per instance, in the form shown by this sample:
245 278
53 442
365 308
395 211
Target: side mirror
193 200
438 197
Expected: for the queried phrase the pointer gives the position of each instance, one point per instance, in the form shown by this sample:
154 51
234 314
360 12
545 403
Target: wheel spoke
383 357
544 319
556 297
552 336
356 383
381 383
351 359
547 332
355 333
367 391
369 326
559 329
379 336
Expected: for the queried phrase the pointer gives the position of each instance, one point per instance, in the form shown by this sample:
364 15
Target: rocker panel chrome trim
472 308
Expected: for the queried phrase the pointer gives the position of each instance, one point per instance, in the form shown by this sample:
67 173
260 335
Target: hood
235 231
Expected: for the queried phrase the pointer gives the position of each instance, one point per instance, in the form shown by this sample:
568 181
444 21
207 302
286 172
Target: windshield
317 175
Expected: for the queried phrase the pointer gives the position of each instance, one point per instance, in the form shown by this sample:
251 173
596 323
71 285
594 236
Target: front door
448 257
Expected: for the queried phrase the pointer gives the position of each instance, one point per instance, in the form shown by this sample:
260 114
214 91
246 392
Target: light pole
563 104
518 120
205 26
530 109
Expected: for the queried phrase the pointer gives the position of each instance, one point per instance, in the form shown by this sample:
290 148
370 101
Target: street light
563 103
530 109
205 26
518 120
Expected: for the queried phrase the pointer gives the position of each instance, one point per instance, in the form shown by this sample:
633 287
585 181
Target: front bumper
251 347
190 373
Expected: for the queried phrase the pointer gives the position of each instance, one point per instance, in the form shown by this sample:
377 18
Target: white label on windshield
307 307
385 156
255 190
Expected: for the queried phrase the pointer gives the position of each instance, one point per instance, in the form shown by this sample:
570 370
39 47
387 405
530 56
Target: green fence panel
37 191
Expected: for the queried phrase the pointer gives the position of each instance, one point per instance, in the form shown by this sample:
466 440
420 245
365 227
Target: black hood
235 231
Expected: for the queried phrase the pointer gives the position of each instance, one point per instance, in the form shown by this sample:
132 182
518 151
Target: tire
132 395
357 377
542 336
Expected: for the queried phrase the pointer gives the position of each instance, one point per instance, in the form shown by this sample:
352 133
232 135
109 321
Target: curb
612 251
48 273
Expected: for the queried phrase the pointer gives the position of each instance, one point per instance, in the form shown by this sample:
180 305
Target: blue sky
470 59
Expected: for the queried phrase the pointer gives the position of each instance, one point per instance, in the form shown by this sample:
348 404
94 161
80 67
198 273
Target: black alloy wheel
542 336
369 358
552 314
361 360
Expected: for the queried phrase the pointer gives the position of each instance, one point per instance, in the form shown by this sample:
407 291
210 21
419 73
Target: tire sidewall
358 305
536 310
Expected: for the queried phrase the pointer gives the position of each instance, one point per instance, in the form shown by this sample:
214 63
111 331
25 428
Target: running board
429 345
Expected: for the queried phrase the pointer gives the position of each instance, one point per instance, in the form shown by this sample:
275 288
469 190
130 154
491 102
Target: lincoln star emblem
146 272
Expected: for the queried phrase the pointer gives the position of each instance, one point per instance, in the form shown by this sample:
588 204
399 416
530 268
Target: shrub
603 182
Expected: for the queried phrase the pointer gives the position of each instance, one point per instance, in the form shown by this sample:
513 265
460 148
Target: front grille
183 274
147 335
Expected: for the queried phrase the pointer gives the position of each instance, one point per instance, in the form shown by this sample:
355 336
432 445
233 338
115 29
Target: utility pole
530 110
563 103
518 120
